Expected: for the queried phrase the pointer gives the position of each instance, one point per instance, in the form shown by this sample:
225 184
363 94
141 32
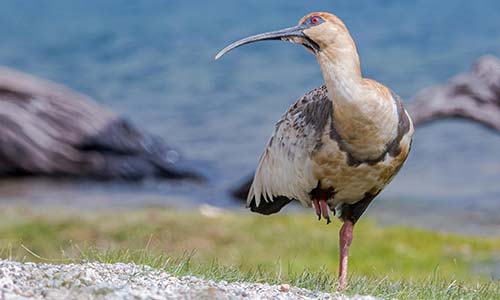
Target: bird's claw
317 208
321 208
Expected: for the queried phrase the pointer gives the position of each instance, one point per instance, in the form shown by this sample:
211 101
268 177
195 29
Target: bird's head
317 32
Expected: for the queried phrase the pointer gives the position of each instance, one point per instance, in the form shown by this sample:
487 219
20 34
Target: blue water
152 61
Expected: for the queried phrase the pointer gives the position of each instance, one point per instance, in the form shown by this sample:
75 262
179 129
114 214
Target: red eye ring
315 20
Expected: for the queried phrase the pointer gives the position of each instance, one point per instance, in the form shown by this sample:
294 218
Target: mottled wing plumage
285 169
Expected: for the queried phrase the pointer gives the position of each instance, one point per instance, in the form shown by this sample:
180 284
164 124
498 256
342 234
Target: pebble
28 281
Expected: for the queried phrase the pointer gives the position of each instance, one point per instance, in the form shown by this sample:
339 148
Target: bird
339 145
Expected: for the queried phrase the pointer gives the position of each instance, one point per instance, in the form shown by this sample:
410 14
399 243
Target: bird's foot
342 285
321 208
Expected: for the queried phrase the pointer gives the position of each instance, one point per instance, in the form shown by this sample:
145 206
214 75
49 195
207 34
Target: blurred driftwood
474 96
49 130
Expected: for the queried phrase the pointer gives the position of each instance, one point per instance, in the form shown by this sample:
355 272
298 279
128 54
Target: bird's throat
342 75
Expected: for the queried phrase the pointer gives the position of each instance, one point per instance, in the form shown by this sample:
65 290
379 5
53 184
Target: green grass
390 262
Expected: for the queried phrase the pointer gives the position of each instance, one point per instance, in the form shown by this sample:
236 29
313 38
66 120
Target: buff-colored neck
341 72
364 113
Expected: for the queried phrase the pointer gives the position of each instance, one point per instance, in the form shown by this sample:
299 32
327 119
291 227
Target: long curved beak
290 34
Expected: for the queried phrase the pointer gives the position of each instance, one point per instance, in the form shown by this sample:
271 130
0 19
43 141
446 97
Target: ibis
339 145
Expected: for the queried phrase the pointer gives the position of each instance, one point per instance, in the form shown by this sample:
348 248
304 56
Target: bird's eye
315 20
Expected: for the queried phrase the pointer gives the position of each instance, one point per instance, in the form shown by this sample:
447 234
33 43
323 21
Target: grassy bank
295 248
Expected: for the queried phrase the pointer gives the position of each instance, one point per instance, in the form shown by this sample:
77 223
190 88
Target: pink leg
345 236
324 211
321 208
317 208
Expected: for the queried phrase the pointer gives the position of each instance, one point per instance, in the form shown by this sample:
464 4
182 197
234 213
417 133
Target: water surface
152 62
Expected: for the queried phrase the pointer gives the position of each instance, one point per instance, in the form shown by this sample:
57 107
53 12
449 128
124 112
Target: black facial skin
309 21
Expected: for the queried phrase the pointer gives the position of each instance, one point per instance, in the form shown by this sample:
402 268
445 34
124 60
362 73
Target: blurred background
152 62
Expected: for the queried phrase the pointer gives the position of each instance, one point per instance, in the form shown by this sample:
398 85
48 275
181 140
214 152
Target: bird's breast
334 169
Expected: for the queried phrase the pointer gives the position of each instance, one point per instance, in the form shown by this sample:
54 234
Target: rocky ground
129 281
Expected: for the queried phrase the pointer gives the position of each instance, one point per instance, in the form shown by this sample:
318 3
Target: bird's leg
321 208
324 210
345 237
317 208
